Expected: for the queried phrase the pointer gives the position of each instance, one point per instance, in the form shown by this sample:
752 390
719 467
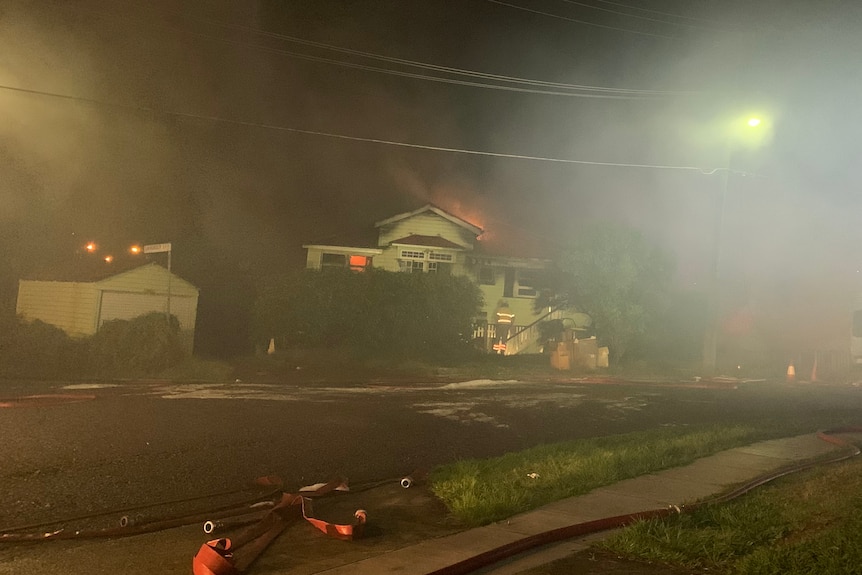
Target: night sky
201 123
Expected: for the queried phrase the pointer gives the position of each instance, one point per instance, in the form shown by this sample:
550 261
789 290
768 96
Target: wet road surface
82 448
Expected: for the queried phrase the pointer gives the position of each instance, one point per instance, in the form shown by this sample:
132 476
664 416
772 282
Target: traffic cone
791 373
814 370
271 349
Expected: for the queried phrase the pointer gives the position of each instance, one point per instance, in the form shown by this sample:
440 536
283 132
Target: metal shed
79 301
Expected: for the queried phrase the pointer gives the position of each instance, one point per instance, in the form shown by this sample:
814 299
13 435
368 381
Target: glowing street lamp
90 247
135 250
108 259
753 122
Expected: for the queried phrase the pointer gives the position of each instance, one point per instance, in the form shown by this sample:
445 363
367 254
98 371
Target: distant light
135 249
754 122
90 247
109 259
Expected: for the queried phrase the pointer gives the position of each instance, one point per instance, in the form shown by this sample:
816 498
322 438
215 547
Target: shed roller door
124 305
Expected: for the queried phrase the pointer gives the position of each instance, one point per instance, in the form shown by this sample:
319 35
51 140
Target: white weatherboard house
431 240
79 301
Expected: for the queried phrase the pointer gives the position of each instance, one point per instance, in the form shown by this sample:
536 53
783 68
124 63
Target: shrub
37 350
391 314
145 345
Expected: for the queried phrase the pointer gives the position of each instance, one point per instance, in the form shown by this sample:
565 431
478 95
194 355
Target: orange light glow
90 247
109 259
358 262
135 249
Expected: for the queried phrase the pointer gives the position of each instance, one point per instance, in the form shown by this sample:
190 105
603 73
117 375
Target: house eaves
344 249
431 208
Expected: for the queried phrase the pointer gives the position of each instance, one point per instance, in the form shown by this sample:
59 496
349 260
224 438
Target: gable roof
434 209
95 271
427 241
84 270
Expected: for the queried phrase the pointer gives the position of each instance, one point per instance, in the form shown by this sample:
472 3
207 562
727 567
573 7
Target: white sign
157 248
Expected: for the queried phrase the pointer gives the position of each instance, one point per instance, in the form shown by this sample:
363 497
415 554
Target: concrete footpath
703 478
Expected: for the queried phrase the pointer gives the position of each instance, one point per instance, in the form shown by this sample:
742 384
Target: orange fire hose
487 558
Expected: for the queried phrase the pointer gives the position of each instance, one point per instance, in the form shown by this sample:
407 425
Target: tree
616 276
374 313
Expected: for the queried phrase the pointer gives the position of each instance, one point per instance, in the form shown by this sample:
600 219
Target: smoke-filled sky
165 121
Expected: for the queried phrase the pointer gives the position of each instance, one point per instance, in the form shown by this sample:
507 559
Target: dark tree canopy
618 277
414 316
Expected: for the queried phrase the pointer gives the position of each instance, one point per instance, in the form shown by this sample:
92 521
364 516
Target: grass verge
806 523
478 492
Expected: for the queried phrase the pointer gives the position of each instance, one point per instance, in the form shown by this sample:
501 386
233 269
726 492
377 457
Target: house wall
312 259
388 260
77 307
71 306
426 224
144 290
151 279
522 307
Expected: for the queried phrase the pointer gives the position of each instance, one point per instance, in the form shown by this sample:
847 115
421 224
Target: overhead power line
448 69
275 127
630 15
659 12
439 79
585 22
532 86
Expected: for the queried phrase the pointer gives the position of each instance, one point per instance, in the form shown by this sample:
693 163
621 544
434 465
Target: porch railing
523 336
528 336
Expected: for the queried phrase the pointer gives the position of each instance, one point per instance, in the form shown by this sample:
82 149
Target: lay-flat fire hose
130 525
487 558
235 555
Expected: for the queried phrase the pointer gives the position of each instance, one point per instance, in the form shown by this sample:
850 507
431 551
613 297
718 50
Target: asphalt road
86 448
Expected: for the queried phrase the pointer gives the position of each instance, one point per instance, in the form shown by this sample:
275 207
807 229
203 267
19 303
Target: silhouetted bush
37 350
380 313
145 345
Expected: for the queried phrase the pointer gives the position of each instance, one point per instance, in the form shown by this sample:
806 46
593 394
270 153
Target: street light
710 340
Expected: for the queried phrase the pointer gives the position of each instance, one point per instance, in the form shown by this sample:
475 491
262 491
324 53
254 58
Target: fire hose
514 548
235 555
138 524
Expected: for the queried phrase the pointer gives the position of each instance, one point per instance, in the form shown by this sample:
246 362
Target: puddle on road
91 386
460 411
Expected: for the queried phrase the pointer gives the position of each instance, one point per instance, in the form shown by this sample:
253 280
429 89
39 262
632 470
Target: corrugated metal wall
71 306
126 305
151 278
80 308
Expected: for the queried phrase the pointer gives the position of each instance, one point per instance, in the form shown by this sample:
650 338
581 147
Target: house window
333 260
487 277
411 266
509 283
527 283
359 263
437 256
413 254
